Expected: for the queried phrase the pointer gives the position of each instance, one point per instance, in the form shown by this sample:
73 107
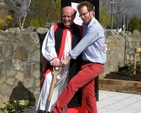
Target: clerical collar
69 27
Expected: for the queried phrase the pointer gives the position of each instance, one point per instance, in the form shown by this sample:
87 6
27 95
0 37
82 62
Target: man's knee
73 86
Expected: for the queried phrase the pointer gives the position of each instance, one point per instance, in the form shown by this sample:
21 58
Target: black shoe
44 112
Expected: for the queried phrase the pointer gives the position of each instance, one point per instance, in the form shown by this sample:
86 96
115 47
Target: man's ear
92 12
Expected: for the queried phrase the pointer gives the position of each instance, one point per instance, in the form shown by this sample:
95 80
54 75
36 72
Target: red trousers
85 80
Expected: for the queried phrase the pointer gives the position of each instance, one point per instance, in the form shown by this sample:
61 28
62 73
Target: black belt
87 62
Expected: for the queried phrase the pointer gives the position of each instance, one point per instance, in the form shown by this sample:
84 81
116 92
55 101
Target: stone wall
21 64
21 61
121 47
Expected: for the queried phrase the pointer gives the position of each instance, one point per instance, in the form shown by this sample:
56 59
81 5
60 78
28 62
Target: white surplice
48 51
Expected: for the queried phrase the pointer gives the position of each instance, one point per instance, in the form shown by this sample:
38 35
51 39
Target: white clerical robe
48 51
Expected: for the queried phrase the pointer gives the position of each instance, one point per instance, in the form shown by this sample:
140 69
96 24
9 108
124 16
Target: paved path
116 102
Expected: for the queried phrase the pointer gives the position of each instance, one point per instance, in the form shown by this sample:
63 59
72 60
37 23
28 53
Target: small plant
130 70
15 106
127 70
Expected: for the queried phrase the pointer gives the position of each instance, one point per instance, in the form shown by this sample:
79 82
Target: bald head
69 9
68 15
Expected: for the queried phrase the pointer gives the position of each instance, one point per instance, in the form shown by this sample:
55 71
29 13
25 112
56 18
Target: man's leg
89 97
87 74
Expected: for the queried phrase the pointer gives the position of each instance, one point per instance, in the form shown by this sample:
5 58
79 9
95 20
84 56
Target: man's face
86 15
67 18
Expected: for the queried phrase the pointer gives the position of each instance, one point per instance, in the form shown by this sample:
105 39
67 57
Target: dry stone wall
121 47
21 64
21 61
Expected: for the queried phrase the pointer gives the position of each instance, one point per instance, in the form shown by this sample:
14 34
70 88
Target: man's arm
93 34
66 60
48 48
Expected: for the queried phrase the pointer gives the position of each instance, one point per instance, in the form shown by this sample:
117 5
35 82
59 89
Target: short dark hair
89 6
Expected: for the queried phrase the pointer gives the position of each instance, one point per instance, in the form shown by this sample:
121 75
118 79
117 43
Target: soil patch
125 73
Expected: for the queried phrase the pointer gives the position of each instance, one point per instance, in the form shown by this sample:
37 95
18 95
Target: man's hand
104 48
56 64
66 60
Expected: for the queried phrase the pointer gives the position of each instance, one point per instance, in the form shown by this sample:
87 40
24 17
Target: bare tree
124 6
19 9
105 4
119 7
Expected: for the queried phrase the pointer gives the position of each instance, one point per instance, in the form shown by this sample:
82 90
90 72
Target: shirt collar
92 21
69 27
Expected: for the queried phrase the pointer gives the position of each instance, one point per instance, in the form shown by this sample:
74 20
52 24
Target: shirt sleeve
92 35
48 47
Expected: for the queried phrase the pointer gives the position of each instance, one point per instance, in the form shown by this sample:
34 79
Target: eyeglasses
83 14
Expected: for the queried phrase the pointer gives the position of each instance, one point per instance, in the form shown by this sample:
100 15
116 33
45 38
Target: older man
59 40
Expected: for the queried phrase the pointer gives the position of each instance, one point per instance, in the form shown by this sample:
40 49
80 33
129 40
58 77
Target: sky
138 4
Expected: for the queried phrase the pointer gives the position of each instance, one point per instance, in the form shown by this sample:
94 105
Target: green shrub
15 106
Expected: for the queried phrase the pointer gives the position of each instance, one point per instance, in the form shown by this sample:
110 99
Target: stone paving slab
115 102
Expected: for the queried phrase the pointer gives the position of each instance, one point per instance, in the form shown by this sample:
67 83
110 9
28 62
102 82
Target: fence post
137 50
